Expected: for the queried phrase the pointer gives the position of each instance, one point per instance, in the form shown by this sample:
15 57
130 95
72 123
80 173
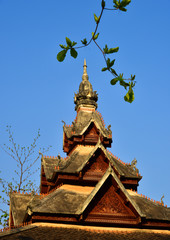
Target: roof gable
110 190
83 121
80 157
123 170
97 164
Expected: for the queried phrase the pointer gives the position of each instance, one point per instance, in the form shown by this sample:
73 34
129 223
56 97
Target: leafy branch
127 83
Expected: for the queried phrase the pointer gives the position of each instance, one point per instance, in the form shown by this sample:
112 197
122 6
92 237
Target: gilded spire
85 76
86 97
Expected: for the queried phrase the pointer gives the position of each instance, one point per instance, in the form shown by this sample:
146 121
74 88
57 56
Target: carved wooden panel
108 206
91 130
91 134
110 203
97 164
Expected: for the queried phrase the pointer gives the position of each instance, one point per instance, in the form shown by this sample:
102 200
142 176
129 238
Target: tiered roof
80 157
72 203
91 186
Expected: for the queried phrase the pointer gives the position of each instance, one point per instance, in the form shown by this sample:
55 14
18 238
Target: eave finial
85 76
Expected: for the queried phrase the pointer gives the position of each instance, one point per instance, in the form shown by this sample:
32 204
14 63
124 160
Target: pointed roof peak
85 66
85 76
86 97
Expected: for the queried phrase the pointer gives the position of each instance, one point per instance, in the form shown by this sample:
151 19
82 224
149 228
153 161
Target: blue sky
37 91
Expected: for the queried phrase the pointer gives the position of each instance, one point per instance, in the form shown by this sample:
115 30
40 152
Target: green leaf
123 9
103 4
129 97
132 84
133 77
113 71
73 44
124 84
116 4
121 5
68 41
120 77
114 81
124 3
112 63
63 46
126 97
61 55
105 49
104 69
5 215
84 41
113 50
108 62
96 36
96 18
73 53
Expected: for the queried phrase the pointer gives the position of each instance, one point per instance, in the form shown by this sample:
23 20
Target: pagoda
91 186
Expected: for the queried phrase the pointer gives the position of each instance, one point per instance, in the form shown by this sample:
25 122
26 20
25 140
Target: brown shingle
59 232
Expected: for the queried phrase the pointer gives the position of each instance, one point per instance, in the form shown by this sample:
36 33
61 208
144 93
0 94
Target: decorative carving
91 134
97 166
133 165
74 126
109 129
64 123
110 203
162 199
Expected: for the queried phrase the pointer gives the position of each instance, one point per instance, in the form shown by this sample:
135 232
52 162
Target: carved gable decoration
110 205
91 134
97 164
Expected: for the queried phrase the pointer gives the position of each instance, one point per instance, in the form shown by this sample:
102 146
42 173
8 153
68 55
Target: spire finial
85 67
85 75
86 97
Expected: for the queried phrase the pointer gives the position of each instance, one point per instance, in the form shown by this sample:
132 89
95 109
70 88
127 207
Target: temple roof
74 200
105 200
69 165
78 159
64 200
84 118
19 203
149 208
